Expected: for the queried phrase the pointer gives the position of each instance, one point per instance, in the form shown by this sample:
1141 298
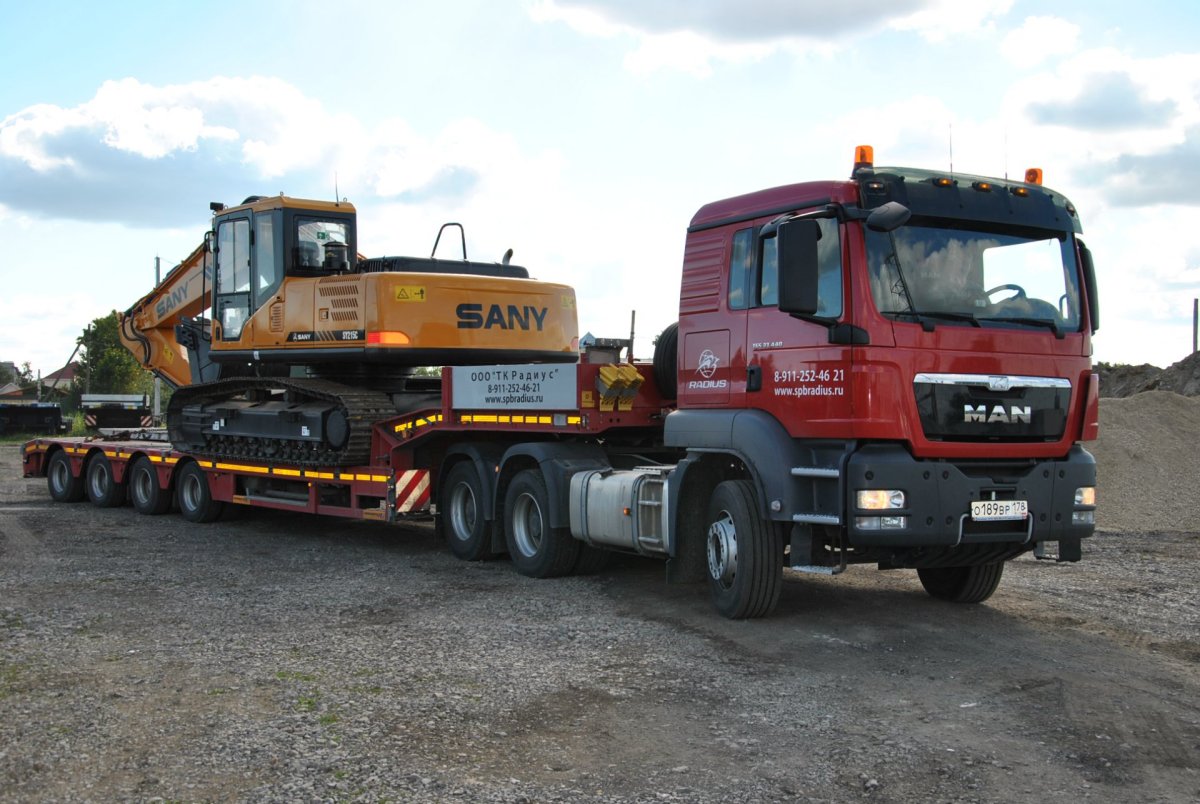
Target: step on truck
892 369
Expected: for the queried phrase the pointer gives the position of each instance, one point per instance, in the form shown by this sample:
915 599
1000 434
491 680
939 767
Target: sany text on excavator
276 321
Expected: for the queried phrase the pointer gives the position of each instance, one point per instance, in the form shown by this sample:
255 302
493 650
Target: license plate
998 510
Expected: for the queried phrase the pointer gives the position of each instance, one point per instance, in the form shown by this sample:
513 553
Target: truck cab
899 363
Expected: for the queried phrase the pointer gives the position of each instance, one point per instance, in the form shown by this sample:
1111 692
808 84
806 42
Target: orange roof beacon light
1033 176
864 157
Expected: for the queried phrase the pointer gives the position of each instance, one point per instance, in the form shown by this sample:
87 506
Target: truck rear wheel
537 550
462 513
102 489
745 567
144 492
194 496
962 584
63 484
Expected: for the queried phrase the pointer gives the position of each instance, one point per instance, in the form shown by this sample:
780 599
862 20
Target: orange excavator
284 343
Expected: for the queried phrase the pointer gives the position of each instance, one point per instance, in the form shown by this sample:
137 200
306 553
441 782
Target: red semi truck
892 369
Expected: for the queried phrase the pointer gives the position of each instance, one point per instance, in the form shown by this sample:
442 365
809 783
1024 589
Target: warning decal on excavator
410 293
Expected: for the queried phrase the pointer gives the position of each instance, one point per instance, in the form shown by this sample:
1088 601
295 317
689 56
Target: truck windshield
945 272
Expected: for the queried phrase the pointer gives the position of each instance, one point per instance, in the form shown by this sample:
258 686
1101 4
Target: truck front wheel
962 584
196 503
537 550
462 513
745 570
64 485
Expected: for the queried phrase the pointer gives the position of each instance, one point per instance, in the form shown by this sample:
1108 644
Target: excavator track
307 422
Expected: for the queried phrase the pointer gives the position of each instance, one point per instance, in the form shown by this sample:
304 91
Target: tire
537 550
745 566
466 530
63 484
962 584
666 362
144 492
194 497
101 488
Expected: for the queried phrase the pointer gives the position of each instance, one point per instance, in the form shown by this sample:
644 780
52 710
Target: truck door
792 369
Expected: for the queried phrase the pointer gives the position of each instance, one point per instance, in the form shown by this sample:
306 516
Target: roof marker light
942 181
982 186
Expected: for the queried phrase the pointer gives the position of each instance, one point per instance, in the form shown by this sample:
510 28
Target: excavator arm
147 329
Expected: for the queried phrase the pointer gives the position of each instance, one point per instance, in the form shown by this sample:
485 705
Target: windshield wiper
926 320
1036 322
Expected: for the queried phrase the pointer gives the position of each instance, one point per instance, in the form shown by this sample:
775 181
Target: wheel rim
527 525
189 494
98 479
141 486
60 476
462 512
722 550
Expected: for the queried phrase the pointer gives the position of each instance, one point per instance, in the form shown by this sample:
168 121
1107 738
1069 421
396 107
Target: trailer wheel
102 489
537 550
64 485
962 584
462 513
194 496
145 493
745 570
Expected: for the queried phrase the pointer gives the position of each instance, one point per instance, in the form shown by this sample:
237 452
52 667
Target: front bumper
938 497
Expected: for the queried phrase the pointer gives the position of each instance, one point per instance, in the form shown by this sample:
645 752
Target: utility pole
1195 323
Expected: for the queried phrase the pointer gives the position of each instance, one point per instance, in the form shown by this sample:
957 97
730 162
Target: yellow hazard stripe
419 422
492 418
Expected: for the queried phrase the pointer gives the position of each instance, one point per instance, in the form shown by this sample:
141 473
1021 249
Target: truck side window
740 264
829 271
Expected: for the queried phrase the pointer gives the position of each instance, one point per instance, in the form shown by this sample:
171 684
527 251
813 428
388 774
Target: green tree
106 366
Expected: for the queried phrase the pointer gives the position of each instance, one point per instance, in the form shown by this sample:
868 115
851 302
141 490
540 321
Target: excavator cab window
321 247
232 290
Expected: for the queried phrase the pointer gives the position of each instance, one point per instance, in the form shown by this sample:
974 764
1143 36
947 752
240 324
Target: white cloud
942 19
1040 38
690 35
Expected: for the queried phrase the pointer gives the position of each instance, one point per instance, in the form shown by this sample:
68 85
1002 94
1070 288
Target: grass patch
328 719
307 703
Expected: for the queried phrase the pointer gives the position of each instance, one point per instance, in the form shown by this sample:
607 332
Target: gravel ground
277 657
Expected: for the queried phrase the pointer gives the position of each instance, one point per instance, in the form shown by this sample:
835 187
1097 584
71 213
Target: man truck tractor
892 369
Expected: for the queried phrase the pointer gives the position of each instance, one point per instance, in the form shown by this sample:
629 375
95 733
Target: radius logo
706 367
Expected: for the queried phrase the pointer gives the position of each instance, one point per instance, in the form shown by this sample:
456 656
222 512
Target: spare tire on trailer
666 360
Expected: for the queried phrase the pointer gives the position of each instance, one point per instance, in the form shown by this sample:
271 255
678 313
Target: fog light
879 499
1083 518
1085 495
867 522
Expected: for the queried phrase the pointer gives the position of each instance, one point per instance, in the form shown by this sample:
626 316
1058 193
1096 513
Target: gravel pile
1148 463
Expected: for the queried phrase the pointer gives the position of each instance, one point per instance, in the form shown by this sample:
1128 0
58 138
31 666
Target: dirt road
287 658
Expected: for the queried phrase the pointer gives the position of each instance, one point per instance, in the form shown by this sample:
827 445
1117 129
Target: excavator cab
258 243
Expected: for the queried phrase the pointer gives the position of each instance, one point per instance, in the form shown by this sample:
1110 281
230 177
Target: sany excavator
284 343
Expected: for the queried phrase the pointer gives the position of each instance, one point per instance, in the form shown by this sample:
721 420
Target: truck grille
983 407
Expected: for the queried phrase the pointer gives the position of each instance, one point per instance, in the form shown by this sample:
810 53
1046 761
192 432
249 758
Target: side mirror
1089 286
798 266
888 217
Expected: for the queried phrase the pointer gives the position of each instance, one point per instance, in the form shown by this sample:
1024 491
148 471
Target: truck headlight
878 499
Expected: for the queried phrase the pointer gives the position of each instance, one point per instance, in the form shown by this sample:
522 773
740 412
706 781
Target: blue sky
581 133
